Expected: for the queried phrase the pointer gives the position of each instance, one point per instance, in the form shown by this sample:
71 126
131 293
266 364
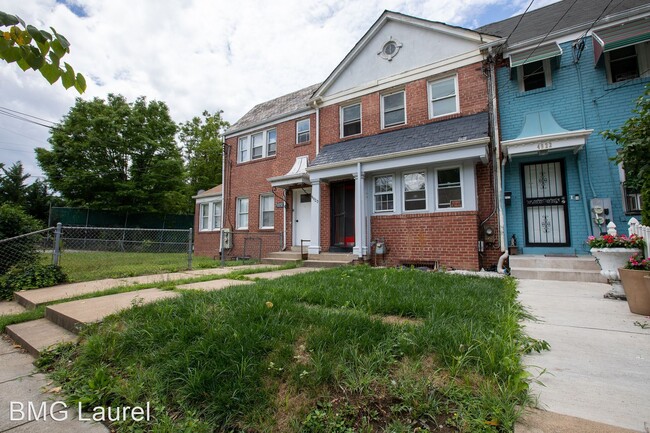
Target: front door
545 204
342 218
301 216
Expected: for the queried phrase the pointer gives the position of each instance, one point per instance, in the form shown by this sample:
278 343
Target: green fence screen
80 217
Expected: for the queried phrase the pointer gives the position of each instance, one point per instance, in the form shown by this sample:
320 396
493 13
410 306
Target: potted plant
612 252
636 289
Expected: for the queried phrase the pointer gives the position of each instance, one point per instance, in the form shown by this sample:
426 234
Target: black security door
342 218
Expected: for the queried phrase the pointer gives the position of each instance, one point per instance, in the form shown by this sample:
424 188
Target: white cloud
199 55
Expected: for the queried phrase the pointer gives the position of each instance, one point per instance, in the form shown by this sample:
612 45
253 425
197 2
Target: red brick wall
487 214
472 87
448 237
205 243
249 179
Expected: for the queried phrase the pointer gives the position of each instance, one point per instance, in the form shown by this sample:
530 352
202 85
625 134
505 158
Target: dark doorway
342 220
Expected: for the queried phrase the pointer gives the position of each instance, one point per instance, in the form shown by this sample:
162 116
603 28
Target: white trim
238 212
249 140
240 148
210 203
642 51
204 220
262 136
261 216
572 140
548 76
270 123
266 141
462 188
430 97
341 119
426 192
375 194
382 110
308 120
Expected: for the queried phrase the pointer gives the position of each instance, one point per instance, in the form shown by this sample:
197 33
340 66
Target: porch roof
419 137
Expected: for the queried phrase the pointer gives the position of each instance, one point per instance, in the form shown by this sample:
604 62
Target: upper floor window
534 75
627 63
253 146
443 97
415 191
302 131
393 109
450 192
351 120
267 211
384 193
271 142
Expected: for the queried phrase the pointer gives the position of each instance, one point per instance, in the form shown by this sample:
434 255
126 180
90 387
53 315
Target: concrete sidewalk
598 367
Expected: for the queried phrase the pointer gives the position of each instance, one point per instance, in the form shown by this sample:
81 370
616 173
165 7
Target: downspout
223 197
317 127
498 163
284 221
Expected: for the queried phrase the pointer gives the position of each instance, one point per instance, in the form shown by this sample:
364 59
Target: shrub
30 276
14 222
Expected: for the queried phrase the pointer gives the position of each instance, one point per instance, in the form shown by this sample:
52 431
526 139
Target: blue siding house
567 72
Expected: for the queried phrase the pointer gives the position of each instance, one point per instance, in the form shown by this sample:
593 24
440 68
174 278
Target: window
302 131
415 191
216 214
271 142
351 120
443 97
632 202
449 188
384 193
393 111
623 64
242 213
267 210
205 216
243 154
257 145
534 75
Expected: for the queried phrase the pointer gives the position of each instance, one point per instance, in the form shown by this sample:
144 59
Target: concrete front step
324 263
586 263
295 255
333 257
558 275
70 315
279 262
37 335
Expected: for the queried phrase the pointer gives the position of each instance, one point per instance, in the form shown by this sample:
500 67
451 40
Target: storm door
342 217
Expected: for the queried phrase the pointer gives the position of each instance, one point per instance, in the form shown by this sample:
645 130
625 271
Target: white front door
301 216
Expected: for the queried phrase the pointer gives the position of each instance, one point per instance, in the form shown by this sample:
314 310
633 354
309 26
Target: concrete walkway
19 383
598 367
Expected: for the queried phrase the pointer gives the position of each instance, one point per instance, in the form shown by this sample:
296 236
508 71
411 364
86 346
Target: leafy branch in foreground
39 50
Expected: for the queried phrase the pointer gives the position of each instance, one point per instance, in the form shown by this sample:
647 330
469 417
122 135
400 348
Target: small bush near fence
30 276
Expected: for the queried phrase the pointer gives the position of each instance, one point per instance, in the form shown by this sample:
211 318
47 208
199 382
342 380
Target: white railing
640 230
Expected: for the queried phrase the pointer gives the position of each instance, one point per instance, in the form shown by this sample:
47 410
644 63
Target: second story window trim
258 145
628 63
393 109
350 116
302 131
534 75
443 96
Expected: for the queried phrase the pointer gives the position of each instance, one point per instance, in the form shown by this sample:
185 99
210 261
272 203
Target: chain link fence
87 253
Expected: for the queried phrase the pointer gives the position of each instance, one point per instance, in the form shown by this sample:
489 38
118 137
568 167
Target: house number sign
544 145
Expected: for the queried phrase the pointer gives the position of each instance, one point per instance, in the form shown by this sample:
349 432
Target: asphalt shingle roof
418 137
539 21
275 108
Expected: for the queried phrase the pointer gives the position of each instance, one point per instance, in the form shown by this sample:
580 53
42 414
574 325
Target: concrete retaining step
214 284
324 263
70 315
333 257
586 263
282 273
33 298
295 255
279 262
38 335
558 274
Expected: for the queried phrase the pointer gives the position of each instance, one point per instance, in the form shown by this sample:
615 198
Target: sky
198 55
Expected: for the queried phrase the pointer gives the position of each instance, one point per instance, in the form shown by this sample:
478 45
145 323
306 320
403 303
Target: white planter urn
610 259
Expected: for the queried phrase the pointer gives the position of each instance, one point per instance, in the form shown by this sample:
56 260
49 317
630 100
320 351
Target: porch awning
620 36
530 55
296 176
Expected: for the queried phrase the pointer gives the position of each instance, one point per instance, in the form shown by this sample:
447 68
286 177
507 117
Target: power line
626 84
516 25
24 119
29 115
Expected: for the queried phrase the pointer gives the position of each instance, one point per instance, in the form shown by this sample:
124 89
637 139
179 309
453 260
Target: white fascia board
546 143
207 198
444 152
288 181
270 123
447 65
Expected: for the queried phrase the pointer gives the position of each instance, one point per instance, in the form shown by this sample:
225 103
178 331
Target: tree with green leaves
634 153
202 145
35 198
115 155
12 184
39 50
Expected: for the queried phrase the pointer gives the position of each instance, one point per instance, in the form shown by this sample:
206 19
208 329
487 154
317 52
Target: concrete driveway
598 367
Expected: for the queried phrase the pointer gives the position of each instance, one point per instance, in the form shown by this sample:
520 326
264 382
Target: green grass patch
311 353
25 316
96 265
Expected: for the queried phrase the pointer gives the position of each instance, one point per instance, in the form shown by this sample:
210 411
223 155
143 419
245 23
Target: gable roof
429 135
212 192
285 105
386 16
538 22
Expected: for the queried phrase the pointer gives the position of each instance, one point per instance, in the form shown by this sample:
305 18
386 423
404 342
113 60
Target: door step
38 335
282 257
537 267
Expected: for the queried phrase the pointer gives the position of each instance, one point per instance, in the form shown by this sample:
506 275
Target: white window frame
431 100
342 120
462 188
383 109
239 213
268 131
548 76
272 210
204 217
261 136
245 148
302 121
642 58
627 192
375 194
426 192
216 222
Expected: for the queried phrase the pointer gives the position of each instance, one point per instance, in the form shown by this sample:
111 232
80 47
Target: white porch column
359 214
314 244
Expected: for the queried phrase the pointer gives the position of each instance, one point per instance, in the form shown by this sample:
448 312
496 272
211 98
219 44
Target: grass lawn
351 349
95 265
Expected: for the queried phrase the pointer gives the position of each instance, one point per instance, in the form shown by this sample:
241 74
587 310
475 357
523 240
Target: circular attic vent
390 49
